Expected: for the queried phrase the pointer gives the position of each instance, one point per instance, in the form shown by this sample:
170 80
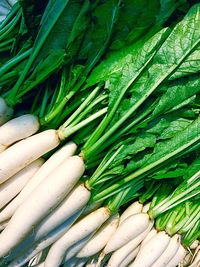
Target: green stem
11 63
11 26
95 141
81 107
102 167
66 132
10 15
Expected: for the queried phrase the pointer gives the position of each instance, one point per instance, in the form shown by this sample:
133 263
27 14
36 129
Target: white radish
75 201
122 253
43 243
43 199
150 252
134 208
130 257
151 234
196 261
169 252
90 208
3 225
178 257
100 238
10 188
26 151
74 249
77 232
17 129
146 207
52 163
127 230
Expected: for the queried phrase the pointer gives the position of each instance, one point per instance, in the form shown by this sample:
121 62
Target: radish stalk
130 257
122 253
127 230
150 252
134 208
178 257
52 163
49 194
80 230
100 238
44 243
10 188
26 151
17 129
169 252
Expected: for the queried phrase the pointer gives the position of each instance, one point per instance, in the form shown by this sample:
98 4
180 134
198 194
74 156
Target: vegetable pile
99 133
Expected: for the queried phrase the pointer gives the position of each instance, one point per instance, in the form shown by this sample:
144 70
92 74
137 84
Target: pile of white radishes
45 219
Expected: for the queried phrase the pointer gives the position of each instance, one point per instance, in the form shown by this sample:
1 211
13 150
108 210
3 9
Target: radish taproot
77 232
127 230
19 155
49 194
135 207
100 238
119 255
153 249
10 188
53 162
17 129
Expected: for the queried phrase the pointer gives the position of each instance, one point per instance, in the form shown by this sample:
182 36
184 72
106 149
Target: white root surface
51 164
169 252
17 129
74 201
178 257
100 238
127 230
130 257
119 255
134 208
21 154
152 250
44 242
42 200
79 231
10 188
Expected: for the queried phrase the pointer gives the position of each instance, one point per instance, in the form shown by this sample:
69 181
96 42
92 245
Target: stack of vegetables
100 133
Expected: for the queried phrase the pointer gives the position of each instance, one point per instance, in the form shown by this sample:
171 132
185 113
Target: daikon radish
122 253
21 154
169 252
131 227
44 243
131 256
53 162
17 129
79 231
48 194
134 208
178 257
152 250
10 188
100 238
